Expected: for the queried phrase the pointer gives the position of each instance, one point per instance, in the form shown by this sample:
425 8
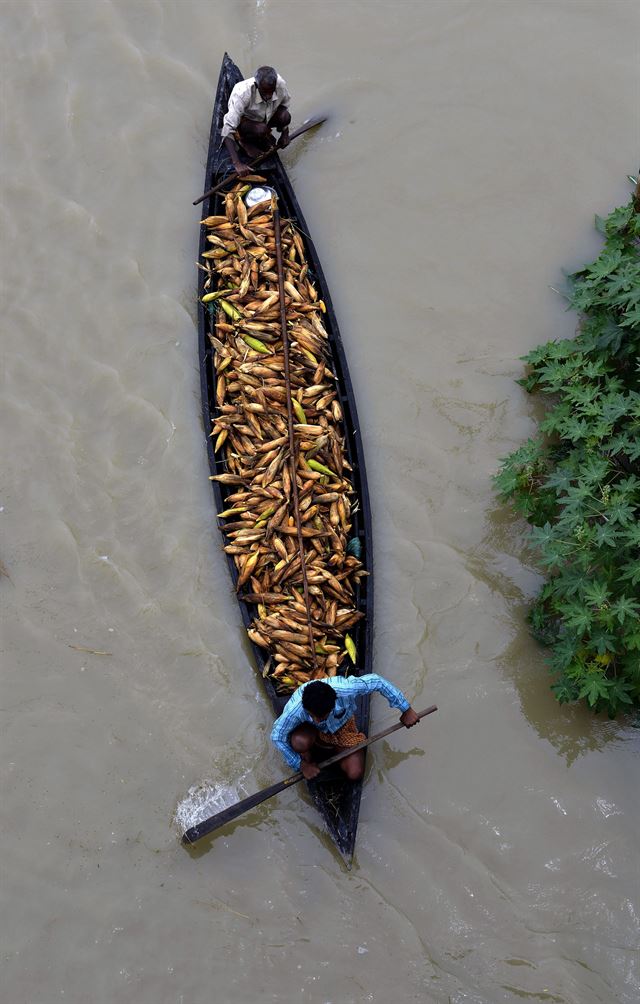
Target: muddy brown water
469 145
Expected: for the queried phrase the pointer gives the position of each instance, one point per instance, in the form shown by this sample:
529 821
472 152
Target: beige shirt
245 100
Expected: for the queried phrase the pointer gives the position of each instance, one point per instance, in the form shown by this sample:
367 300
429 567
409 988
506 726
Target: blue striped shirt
347 690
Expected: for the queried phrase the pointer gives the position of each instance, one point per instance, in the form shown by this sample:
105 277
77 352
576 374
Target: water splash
206 799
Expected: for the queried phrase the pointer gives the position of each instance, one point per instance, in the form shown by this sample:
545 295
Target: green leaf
619 219
603 642
624 280
625 608
631 573
597 593
565 692
606 535
578 618
585 295
560 478
594 689
607 262
631 318
611 336
632 534
621 512
620 693
564 652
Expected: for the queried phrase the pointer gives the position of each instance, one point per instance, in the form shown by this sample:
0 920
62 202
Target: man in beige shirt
256 106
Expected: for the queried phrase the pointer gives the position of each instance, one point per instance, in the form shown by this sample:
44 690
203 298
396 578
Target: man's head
318 699
266 79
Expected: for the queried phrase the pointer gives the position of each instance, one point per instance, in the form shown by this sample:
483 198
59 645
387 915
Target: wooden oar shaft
228 815
318 120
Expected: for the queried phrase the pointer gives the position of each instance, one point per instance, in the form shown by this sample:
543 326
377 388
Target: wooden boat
337 799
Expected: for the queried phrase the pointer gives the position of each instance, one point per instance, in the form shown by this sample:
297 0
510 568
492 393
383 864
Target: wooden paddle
228 815
306 125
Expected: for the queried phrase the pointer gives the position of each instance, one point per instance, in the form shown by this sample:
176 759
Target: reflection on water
571 729
389 757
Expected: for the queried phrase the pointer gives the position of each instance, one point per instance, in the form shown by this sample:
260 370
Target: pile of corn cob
304 625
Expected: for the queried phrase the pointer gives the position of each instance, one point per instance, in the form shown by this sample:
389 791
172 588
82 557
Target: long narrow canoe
337 799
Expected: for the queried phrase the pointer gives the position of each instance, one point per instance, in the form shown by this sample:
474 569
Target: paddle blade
200 830
309 123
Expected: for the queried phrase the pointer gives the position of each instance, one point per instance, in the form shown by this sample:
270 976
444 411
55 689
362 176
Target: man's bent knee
252 129
280 119
302 738
353 767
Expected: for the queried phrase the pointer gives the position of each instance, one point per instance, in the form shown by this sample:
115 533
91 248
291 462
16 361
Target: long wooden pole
293 454
228 815
234 176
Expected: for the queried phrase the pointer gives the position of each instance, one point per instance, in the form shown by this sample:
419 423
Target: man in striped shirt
256 106
319 719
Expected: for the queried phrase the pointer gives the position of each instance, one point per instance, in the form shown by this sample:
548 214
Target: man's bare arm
238 165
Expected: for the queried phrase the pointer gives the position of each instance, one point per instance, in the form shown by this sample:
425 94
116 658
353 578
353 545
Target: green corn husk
256 344
230 310
350 646
320 468
299 410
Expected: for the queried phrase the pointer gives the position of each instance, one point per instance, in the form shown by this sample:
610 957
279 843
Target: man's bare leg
353 766
255 137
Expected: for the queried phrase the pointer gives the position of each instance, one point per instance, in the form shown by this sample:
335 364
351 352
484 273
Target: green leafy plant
577 482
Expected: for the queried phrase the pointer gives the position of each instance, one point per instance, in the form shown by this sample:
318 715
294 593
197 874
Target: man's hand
409 718
309 770
284 139
242 169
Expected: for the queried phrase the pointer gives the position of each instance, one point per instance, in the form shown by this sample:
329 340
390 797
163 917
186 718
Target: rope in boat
292 445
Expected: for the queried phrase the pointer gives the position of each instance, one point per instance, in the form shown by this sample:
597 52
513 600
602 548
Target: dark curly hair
318 698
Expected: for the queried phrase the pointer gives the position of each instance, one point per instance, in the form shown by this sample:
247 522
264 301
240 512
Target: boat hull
337 799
